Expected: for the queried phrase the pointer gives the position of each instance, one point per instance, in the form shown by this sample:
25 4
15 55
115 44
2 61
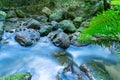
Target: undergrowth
103 27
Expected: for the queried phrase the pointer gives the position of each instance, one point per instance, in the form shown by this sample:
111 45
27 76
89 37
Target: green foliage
103 27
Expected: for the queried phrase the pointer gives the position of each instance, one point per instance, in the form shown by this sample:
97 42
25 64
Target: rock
20 13
69 15
66 25
80 29
47 11
30 23
17 76
57 15
60 39
11 24
77 21
11 14
2 15
54 23
26 37
41 18
69 73
2 19
85 24
1 29
95 70
45 30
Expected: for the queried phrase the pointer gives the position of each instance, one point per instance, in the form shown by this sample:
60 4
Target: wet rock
31 23
20 13
59 38
11 14
45 30
60 53
66 25
11 24
1 29
2 15
47 11
17 76
2 19
54 23
41 18
69 73
95 70
26 37
57 15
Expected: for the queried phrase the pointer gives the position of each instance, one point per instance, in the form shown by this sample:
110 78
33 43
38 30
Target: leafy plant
103 27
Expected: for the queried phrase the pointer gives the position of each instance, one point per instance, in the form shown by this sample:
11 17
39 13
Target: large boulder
60 39
66 25
45 30
57 15
26 37
17 76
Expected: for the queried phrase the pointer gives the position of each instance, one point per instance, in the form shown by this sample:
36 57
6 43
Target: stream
40 61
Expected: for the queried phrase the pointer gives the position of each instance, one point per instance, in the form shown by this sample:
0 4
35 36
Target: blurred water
39 60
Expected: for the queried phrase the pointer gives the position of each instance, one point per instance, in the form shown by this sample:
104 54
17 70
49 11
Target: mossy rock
57 15
17 76
2 15
97 71
20 13
67 26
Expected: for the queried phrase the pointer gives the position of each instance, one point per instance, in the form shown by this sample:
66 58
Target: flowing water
40 61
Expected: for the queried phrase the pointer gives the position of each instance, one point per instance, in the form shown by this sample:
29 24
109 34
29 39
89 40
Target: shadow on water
40 61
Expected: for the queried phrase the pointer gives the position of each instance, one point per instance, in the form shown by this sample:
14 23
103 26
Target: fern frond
106 23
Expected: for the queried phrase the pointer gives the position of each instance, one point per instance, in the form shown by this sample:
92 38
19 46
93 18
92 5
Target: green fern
105 26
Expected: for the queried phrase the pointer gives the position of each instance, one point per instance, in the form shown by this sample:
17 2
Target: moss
17 76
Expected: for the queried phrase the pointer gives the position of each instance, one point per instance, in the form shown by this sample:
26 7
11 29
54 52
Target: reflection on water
41 63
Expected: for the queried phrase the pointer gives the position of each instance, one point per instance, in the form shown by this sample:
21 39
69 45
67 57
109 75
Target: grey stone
45 30
47 11
57 15
66 25
26 37
60 39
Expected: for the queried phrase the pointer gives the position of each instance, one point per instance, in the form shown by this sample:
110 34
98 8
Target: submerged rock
17 76
95 71
66 25
69 73
59 38
26 37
